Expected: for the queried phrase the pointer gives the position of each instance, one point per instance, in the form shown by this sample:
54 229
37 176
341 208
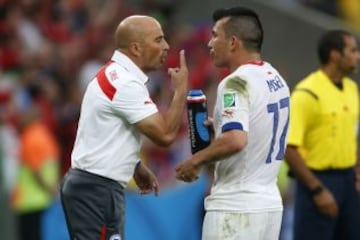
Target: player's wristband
317 190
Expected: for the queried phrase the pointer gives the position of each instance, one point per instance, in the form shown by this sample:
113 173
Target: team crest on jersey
113 76
229 100
115 237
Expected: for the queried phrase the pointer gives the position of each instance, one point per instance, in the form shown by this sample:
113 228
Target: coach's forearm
174 115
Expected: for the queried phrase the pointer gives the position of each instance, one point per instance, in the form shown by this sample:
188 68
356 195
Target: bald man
116 111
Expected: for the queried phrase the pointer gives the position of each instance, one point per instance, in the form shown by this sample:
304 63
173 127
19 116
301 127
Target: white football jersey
255 99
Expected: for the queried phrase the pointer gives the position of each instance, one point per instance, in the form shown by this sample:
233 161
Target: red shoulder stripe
104 83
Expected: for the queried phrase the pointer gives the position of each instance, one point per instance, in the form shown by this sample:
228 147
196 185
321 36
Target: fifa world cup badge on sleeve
229 100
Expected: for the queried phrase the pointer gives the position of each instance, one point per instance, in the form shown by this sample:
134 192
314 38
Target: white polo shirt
255 99
107 143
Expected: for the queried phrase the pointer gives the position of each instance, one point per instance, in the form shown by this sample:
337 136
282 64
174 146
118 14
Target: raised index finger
182 59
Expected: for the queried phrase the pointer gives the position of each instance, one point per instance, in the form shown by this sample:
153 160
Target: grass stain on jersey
237 84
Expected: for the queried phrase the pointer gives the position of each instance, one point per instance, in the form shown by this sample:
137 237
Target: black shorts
93 206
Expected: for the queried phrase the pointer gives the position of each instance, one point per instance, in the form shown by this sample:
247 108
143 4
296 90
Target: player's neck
245 58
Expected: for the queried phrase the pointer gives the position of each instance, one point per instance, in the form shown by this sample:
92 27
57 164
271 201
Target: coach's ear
135 49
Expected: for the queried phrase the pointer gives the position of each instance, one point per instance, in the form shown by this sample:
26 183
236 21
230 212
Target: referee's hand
326 203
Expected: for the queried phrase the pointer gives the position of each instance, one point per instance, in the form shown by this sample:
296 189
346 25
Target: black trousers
93 206
310 224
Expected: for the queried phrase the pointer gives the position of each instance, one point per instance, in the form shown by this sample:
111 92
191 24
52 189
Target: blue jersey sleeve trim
232 126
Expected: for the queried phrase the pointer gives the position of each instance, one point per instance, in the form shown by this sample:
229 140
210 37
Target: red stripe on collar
259 63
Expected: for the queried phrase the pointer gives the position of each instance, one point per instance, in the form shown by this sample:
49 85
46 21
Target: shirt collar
129 65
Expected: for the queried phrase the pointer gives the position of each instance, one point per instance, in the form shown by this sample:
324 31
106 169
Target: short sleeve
234 105
303 108
133 102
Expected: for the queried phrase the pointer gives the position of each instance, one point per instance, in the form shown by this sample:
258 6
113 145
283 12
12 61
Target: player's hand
146 180
209 122
188 171
179 76
326 203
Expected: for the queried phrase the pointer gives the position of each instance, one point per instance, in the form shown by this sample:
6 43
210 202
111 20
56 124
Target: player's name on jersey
275 84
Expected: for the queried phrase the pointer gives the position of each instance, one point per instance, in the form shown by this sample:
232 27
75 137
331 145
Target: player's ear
235 43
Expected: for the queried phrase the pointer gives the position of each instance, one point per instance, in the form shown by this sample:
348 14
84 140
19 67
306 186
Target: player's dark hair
243 23
331 40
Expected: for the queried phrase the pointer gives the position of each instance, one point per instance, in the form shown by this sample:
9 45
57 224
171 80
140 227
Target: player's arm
162 129
234 110
233 138
227 144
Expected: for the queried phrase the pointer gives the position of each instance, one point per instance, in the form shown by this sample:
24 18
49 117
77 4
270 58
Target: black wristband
317 190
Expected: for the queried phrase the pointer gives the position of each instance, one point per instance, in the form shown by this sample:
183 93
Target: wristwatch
317 190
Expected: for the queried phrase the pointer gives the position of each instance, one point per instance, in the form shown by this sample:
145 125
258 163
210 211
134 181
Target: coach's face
219 44
154 47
